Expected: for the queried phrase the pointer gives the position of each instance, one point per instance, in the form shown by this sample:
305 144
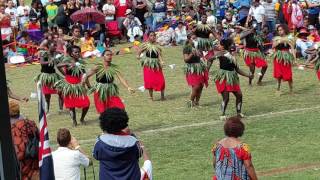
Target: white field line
87 141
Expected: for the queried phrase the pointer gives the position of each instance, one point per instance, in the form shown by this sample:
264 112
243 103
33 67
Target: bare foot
278 93
151 98
163 99
259 83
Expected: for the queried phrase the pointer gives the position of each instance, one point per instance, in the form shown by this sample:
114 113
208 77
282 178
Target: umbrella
88 15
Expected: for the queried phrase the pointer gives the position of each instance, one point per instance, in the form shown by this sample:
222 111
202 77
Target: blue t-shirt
314 10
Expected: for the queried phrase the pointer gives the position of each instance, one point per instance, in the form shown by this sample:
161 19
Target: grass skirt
226 81
47 81
75 95
253 56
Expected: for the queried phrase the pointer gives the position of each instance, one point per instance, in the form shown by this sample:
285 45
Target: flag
45 157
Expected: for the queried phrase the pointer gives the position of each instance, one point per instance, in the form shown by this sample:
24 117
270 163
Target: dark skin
282 33
107 59
225 94
52 50
197 89
152 39
232 142
75 54
252 66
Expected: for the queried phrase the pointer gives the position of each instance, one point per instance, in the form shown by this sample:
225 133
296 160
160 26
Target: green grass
276 141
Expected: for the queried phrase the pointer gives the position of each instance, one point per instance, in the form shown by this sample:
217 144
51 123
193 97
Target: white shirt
181 34
21 9
212 20
111 9
257 13
67 163
13 15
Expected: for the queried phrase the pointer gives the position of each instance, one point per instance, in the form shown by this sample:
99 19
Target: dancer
152 66
74 92
203 31
227 79
48 76
106 93
282 57
195 70
204 42
253 56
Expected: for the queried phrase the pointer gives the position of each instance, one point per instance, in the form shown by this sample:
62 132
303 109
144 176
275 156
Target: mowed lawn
283 132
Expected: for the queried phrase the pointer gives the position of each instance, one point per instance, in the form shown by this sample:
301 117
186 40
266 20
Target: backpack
32 148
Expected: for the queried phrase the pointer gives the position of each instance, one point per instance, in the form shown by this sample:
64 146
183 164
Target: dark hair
226 43
87 31
234 127
149 32
63 137
70 48
105 51
24 34
284 27
113 120
75 27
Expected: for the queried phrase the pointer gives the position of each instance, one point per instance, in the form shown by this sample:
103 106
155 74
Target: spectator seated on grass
165 35
232 157
133 26
87 46
69 156
118 151
180 33
303 43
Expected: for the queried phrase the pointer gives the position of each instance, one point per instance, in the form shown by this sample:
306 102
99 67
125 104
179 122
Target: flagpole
9 170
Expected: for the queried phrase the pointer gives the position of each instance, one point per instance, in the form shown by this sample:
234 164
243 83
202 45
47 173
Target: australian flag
45 157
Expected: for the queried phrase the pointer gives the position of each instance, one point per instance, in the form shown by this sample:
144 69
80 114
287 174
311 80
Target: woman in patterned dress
232 157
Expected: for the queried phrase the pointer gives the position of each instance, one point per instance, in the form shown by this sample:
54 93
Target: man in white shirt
23 14
180 33
256 12
12 11
109 10
68 157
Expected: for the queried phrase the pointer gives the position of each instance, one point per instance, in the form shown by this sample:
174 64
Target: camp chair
112 30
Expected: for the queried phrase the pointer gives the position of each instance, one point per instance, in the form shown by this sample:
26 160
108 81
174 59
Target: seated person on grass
87 46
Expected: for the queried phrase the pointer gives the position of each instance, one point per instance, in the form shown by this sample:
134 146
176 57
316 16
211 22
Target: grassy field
281 131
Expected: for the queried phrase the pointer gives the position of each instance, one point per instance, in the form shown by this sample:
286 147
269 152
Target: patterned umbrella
87 15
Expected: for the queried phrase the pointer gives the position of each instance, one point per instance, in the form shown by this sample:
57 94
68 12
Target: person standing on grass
74 92
195 70
253 56
232 157
283 59
106 93
118 150
152 66
69 156
48 76
226 78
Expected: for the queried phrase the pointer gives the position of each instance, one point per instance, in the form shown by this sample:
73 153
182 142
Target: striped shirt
270 11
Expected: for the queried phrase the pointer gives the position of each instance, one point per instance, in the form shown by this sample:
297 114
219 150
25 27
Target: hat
128 11
14 108
183 5
303 32
311 27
